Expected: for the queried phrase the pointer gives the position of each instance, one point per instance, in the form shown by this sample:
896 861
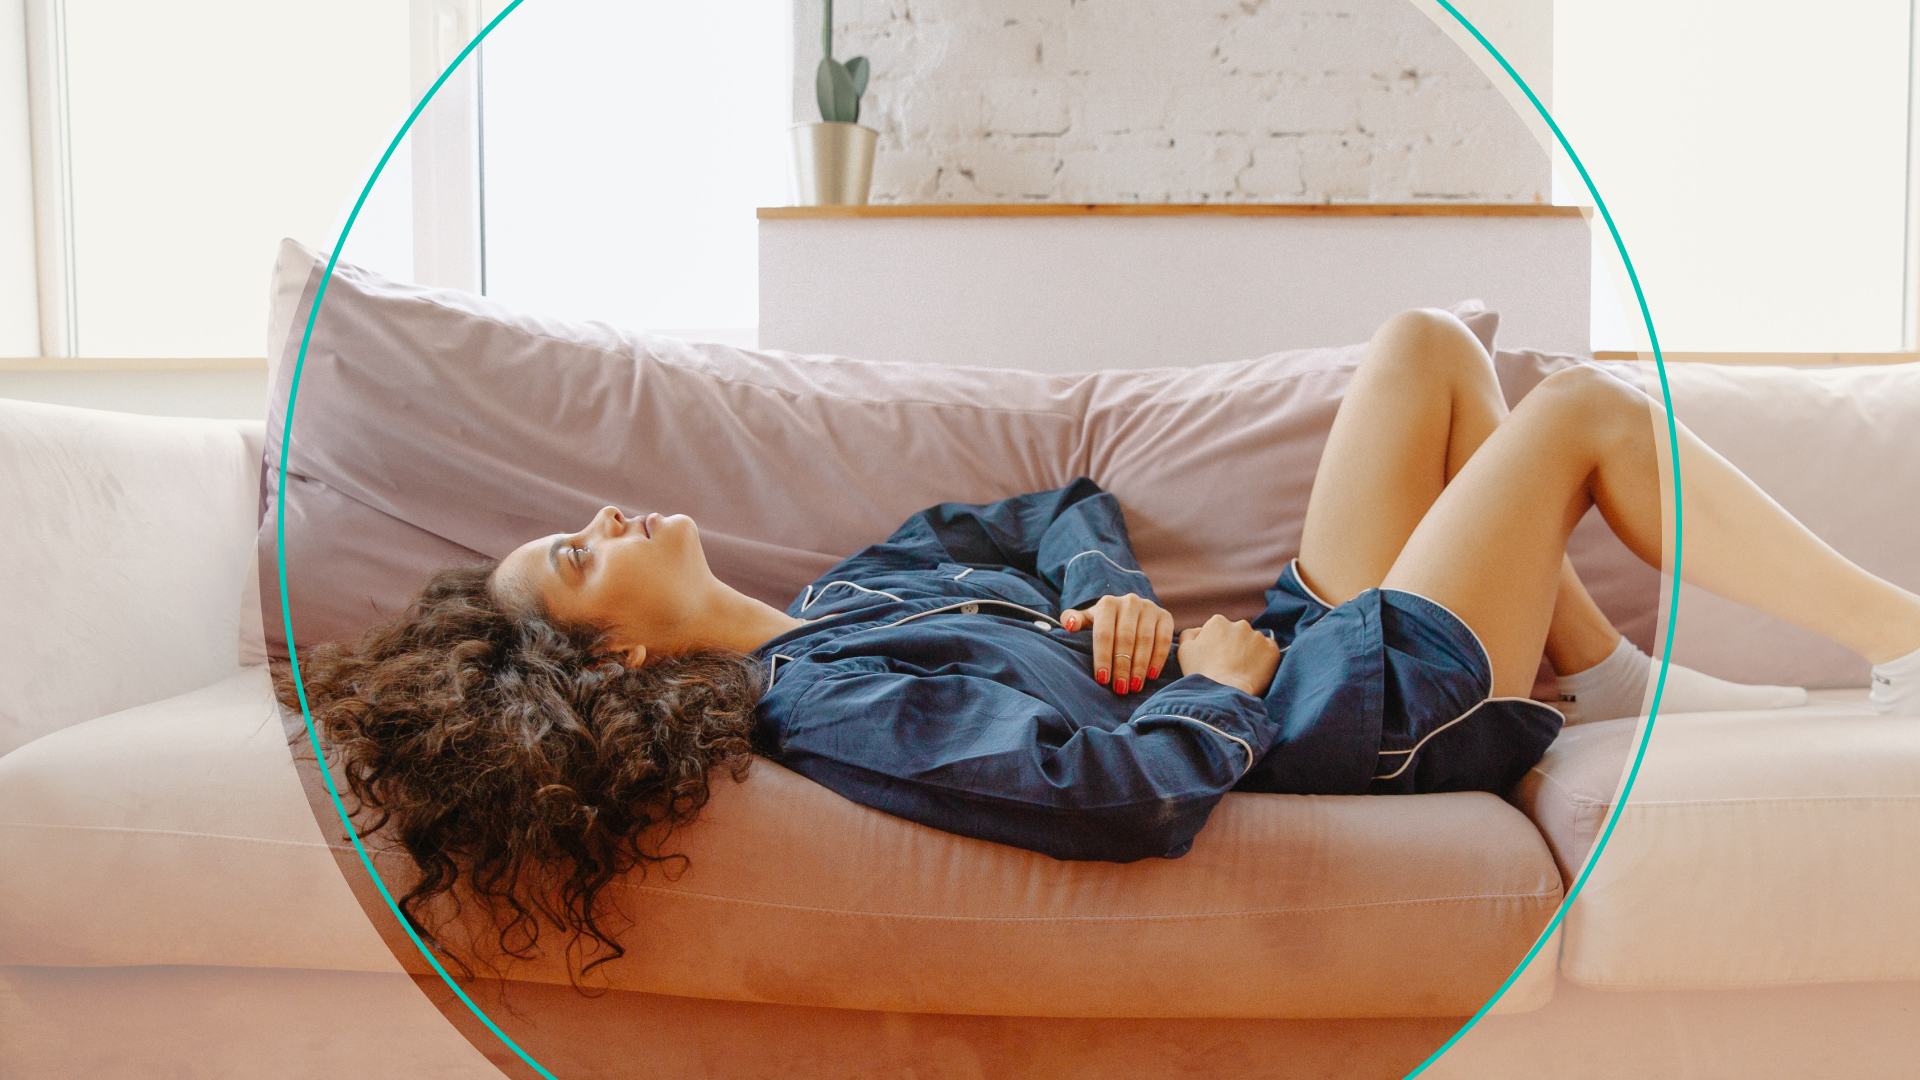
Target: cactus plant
838 85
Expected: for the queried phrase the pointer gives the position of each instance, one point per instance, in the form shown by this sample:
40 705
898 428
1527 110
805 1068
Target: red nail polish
1120 688
1138 682
1153 673
1101 676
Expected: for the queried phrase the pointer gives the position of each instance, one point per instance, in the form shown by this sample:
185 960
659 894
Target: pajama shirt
933 681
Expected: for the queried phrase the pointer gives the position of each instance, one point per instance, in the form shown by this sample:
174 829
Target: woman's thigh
1422 401
1491 547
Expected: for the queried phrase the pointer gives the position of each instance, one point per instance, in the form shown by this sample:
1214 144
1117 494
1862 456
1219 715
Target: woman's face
643 580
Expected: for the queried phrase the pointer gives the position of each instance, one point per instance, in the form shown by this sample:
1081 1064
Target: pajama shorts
1388 694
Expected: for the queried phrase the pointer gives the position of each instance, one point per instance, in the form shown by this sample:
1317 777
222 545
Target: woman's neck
743 624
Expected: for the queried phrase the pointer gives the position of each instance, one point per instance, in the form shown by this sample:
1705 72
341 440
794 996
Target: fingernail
1153 673
1120 688
1101 676
1138 682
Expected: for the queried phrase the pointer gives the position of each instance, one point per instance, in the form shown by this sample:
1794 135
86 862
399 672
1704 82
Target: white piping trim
809 600
1242 743
964 573
1294 563
1484 654
1423 739
773 665
1104 555
975 604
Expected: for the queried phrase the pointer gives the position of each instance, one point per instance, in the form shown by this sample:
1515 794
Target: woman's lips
646 525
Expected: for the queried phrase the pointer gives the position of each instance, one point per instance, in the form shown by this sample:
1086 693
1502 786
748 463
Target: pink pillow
434 426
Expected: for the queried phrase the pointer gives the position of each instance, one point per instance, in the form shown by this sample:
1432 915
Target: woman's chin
680 527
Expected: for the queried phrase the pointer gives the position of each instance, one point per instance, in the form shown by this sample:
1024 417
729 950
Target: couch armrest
122 559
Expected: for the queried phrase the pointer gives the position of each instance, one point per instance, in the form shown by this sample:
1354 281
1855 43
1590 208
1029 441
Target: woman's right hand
1230 653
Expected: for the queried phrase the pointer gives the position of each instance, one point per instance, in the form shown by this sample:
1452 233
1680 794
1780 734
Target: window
243 122
626 147
1754 154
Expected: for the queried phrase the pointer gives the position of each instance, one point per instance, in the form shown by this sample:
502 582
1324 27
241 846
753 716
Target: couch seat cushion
173 833
1756 849
177 833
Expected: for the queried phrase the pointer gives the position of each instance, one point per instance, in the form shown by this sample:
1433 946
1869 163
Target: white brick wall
1172 101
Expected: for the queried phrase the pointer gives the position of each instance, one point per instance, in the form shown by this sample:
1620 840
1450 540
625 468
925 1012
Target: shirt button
969 609
1042 625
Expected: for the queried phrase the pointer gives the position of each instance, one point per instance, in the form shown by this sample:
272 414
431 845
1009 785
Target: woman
1004 671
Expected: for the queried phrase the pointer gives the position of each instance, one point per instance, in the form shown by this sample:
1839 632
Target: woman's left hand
1131 638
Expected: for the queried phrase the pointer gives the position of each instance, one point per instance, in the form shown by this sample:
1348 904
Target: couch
178 896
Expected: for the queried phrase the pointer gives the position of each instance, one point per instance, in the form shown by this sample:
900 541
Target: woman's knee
1582 400
1428 343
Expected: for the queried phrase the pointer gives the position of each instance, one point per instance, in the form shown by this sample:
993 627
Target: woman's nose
609 519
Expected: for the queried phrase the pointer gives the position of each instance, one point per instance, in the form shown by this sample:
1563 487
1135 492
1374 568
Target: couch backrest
122 562
432 426
1838 447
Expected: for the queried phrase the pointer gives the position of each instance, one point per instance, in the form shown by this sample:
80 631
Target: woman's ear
615 644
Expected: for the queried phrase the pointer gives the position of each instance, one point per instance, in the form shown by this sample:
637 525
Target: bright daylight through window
625 146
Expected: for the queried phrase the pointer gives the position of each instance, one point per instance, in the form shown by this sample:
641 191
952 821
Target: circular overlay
1573 891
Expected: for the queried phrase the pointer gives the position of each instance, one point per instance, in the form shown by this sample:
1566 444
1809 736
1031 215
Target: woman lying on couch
1004 672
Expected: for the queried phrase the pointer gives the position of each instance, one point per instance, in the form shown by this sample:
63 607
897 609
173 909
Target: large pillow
1834 446
433 426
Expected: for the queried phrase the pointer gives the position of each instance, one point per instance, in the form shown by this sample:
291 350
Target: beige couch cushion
1834 445
176 833
122 559
172 833
1756 849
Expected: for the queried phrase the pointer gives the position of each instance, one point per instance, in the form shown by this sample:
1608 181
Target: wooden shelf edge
1766 359
56 363
1519 210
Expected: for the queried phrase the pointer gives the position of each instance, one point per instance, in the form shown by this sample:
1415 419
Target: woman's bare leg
1422 402
1492 546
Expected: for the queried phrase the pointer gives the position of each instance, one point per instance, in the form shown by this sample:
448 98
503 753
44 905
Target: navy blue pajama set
935 682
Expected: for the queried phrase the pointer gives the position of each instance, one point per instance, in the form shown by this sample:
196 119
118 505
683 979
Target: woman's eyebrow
553 554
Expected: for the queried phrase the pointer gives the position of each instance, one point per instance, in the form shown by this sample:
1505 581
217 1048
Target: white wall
1197 101
1078 293
233 395
19 299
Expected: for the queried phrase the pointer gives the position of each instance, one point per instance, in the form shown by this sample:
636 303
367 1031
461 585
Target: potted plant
833 159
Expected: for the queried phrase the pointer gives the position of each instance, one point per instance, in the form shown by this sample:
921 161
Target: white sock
1617 686
1896 686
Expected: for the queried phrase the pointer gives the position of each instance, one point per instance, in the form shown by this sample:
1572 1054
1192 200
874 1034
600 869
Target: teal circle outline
359 847
280 550
1673 608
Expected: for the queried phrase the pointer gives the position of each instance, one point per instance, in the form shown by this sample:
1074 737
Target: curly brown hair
517 758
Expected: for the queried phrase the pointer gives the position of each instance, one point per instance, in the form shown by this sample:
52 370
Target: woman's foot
1617 686
1896 686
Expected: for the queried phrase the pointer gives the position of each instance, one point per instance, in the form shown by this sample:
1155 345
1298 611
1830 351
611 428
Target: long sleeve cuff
1233 714
1094 573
